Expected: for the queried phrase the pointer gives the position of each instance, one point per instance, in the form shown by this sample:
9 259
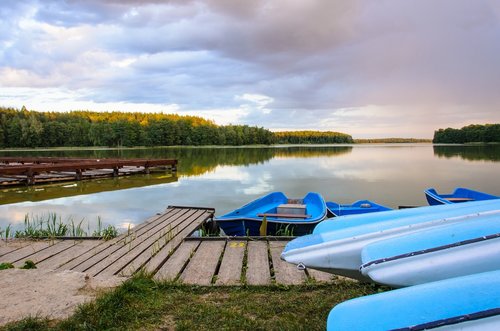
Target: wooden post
30 176
115 172
78 175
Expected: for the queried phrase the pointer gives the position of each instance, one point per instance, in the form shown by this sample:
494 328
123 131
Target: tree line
24 128
312 137
468 134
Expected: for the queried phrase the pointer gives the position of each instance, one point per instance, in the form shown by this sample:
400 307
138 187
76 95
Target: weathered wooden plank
143 250
232 263
258 272
63 257
11 245
201 268
171 269
163 249
48 252
26 252
320 276
285 273
107 248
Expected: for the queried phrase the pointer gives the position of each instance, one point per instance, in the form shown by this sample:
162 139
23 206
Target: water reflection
469 152
226 178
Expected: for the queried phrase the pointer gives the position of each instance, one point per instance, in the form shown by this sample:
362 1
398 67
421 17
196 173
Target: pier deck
162 246
36 170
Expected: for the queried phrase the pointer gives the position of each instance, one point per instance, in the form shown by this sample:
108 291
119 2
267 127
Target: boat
460 194
439 253
463 303
335 245
284 216
358 207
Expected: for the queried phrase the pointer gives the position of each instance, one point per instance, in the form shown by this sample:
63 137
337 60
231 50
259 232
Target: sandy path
46 293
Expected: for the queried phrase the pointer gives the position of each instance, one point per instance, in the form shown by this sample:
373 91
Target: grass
141 303
51 225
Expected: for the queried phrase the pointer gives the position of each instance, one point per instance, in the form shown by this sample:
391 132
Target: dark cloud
321 64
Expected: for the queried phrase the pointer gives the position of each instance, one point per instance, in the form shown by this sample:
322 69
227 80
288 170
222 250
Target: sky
386 68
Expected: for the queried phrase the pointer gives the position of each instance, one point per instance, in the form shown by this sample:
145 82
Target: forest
486 133
26 129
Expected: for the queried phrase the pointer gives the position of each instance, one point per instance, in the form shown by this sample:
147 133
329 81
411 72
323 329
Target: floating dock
38 170
162 246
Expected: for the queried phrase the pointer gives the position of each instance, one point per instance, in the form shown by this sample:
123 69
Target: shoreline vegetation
470 134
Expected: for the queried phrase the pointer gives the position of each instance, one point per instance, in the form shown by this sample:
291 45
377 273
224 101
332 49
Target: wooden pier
36 170
163 247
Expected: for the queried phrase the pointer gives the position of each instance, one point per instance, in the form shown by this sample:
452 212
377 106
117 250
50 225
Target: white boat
439 253
462 303
336 246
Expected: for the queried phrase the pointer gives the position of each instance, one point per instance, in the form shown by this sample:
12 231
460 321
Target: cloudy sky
369 68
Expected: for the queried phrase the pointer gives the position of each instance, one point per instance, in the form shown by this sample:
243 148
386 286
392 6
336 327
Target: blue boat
460 194
358 207
442 252
335 245
294 217
462 303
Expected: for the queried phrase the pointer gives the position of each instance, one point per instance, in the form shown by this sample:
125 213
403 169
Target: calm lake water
226 178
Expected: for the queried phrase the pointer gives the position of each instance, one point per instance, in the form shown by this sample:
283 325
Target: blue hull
359 207
459 195
470 301
246 220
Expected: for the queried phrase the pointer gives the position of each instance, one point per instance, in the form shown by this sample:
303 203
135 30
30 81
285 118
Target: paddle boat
462 303
439 253
294 217
336 244
358 207
459 195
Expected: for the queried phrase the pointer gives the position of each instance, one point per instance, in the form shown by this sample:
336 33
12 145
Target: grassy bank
141 303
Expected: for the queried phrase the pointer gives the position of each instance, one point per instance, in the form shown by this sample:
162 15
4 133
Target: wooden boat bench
459 199
284 215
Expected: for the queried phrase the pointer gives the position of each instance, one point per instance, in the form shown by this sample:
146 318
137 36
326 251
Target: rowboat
283 215
335 245
460 194
439 253
358 207
463 303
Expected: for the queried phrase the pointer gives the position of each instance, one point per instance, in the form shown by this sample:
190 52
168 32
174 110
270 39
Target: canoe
439 253
358 207
336 244
460 194
293 217
462 303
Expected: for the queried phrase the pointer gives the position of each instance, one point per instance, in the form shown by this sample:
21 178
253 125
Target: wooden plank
160 252
258 272
171 269
25 252
284 273
11 245
48 252
63 257
201 268
320 276
232 263
144 250
284 215
459 199
85 256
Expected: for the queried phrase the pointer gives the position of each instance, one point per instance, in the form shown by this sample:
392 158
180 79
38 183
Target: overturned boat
336 244
356 208
460 194
439 253
463 303
283 215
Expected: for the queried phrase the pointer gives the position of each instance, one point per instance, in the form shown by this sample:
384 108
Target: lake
226 178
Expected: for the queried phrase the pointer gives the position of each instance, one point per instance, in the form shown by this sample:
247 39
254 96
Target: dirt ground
47 293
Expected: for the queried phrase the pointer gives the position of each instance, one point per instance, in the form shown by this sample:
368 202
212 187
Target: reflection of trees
197 161
59 190
469 152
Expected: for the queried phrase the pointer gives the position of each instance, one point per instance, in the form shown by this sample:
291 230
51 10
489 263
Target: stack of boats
447 256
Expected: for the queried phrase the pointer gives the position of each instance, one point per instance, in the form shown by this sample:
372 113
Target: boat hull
460 195
339 251
358 207
465 303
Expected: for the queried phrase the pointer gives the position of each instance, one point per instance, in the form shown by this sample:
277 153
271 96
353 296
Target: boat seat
283 215
459 199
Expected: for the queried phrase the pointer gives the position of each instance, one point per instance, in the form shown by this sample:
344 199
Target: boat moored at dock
460 194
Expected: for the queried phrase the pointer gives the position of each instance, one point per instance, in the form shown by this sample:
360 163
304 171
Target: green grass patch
141 303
